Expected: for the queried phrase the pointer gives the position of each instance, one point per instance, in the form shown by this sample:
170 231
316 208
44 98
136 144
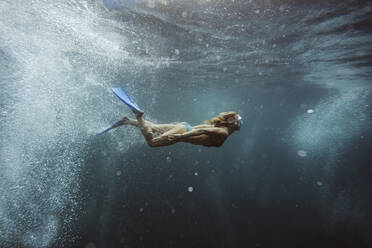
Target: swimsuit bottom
188 126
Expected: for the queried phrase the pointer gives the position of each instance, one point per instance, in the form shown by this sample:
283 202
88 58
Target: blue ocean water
296 175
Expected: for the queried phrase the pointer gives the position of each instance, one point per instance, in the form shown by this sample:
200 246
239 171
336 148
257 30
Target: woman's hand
174 137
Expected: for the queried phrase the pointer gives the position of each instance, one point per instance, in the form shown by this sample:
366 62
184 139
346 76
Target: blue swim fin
119 92
118 123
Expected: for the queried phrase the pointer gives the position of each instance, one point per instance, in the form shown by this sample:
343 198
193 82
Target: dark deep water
297 174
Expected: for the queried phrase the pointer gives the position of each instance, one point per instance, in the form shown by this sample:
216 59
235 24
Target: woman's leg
147 131
155 128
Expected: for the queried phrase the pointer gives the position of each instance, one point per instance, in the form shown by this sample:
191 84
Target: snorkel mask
237 121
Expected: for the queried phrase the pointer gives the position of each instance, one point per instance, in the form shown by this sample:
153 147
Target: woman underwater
213 133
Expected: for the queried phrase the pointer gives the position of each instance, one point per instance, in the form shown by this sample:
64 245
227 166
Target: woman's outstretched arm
197 132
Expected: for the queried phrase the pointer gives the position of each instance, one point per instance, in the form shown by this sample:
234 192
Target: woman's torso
211 139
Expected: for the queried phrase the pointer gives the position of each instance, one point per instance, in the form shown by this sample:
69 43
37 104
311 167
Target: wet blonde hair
221 119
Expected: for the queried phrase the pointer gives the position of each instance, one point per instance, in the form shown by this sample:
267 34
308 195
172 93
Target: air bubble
302 153
151 4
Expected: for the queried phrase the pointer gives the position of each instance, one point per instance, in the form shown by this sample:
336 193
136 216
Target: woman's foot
137 113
